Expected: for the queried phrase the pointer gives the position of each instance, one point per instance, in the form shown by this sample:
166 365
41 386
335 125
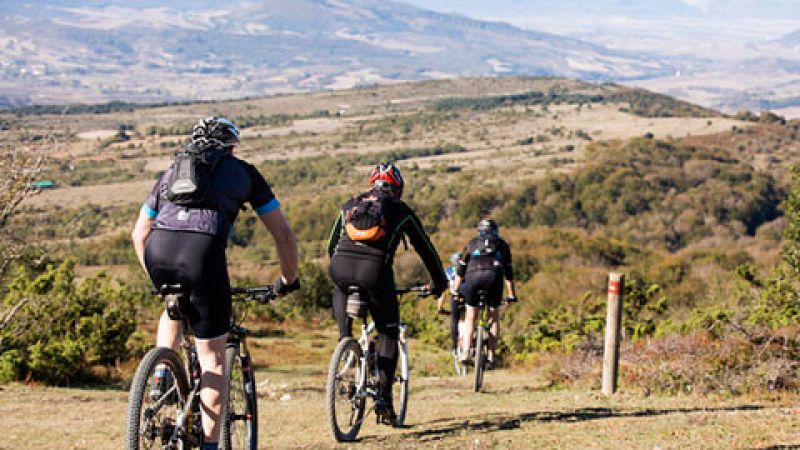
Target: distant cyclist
180 237
362 246
456 303
485 262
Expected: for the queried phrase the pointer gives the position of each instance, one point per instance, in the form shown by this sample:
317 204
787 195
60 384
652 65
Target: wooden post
616 283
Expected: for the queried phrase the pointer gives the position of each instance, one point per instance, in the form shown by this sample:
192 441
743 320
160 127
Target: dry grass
515 411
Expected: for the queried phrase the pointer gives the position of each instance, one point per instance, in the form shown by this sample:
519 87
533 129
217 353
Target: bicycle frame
184 424
193 376
483 317
364 340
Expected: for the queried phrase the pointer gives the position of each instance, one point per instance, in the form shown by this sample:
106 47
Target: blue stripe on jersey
151 213
268 207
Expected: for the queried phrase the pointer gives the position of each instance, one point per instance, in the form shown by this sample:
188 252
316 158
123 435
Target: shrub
62 327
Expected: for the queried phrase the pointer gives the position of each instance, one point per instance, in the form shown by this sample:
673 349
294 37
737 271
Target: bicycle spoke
155 400
344 403
239 427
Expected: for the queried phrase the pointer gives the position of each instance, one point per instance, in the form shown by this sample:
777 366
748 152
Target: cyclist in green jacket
362 245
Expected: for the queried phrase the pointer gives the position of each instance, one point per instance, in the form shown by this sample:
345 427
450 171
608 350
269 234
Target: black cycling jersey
234 183
484 262
187 245
472 257
368 265
400 220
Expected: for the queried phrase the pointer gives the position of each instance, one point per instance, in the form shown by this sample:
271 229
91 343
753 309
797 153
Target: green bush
316 288
64 327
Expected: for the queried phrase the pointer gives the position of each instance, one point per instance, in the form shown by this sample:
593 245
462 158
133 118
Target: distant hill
70 51
791 40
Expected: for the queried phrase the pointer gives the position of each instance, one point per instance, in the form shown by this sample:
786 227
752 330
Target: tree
19 167
791 236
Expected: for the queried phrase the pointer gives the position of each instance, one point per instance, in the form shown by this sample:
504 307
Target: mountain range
65 51
764 9
721 54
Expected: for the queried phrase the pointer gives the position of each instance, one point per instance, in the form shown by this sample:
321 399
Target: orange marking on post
614 287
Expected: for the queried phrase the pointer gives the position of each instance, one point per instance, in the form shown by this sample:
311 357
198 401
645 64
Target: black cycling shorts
197 261
376 280
488 281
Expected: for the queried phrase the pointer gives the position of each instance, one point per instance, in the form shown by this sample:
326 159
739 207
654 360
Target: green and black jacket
400 221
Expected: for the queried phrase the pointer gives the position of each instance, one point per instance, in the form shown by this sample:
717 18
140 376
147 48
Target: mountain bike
481 342
164 400
353 377
458 366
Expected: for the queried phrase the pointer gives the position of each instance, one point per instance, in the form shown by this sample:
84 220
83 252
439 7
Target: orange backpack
365 221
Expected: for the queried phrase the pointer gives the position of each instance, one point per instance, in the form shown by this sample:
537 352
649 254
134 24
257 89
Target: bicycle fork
401 339
368 352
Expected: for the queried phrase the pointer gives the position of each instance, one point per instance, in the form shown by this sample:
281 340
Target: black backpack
366 221
485 254
189 183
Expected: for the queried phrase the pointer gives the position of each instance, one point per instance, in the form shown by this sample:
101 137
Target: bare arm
458 282
285 242
139 235
440 301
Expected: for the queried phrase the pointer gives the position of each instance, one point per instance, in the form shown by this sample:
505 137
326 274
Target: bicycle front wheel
480 357
344 403
239 413
400 385
158 393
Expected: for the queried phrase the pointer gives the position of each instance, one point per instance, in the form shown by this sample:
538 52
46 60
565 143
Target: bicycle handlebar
508 300
421 290
262 294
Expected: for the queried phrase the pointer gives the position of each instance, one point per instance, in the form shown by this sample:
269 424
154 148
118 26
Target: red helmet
387 177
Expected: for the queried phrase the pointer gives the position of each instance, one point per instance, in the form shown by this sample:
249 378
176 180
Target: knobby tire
347 348
139 391
240 411
400 388
480 357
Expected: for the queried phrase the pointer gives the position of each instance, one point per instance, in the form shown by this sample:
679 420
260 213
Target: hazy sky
766 19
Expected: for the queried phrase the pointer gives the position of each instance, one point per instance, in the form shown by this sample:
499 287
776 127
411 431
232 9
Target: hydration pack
486 254
365 221
189 183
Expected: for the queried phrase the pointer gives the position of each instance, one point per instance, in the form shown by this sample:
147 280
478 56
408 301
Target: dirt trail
515 411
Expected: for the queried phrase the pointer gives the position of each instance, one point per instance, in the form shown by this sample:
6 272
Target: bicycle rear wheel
345 406
152 406
400 385
480 357
240 412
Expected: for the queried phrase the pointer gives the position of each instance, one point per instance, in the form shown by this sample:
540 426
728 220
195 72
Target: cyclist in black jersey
183 244
485 261
364 257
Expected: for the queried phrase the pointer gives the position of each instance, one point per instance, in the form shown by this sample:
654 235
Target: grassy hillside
583 178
